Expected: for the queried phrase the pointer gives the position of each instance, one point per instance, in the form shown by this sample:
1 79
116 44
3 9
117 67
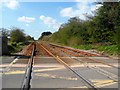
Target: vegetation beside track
17 39
99 32
110 50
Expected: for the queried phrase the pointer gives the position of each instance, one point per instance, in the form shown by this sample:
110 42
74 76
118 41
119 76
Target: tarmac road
48 73
13 72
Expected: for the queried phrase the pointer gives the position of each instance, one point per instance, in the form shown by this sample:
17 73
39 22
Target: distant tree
62 26
4 32
45 34
28 37
74 19
17 35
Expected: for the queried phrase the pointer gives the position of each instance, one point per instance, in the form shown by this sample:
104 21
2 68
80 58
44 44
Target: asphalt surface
49 73
46 72
6 59
13 72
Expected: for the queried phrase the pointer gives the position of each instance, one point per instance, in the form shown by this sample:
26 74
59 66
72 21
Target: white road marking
10 65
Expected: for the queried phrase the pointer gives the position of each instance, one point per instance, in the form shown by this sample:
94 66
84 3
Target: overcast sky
37 17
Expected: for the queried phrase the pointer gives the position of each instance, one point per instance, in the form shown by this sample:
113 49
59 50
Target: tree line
16 38
102 28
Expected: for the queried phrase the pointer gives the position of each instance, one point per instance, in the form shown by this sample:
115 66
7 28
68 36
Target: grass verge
110 50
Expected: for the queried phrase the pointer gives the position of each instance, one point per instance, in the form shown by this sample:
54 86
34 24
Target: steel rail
97 69
86 57
78 51
102 63
85 81
27 77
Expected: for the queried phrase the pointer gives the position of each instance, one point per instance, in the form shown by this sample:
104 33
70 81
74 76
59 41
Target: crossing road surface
13 72
50 69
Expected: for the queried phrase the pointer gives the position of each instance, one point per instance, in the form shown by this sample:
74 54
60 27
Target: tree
107 21
4 32
17 35
28 37
101 28
45 34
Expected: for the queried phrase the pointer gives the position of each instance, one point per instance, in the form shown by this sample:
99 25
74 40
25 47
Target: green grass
107 49
110 50
85 47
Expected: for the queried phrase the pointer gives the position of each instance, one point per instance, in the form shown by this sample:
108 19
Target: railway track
85 81
34 50
27 78
68 51
94 67
99 70
74 52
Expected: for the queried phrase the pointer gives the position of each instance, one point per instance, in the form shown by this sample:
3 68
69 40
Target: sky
36 17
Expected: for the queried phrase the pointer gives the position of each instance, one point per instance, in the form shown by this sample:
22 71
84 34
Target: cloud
27 25
67 12
12 4
51 22
81 8
26 19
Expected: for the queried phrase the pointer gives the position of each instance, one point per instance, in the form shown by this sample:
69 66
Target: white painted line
10 65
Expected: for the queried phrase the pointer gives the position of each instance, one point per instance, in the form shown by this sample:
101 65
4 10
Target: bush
17 35
11 48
